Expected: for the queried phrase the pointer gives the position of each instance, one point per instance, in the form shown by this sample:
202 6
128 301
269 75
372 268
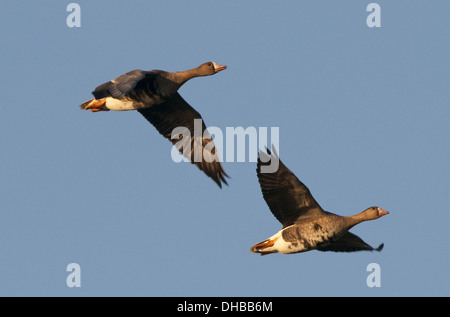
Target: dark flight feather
288 199
176 112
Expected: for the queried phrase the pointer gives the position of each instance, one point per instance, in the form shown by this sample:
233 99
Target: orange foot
96 105
262 245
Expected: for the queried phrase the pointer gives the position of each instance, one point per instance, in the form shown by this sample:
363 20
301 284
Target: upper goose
306 226
154 94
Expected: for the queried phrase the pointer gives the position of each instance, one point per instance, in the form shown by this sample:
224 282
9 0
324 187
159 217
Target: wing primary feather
288 199
176 112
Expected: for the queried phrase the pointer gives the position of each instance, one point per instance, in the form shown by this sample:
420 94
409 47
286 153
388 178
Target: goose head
210 68
373 213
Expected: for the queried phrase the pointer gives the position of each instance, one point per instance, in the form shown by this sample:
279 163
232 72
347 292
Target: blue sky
363 118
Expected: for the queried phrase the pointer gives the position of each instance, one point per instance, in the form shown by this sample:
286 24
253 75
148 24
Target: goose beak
382 212
218 68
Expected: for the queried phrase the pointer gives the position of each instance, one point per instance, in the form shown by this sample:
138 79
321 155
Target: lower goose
306 226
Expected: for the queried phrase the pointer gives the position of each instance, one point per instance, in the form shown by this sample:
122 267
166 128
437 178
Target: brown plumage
306 226
155 95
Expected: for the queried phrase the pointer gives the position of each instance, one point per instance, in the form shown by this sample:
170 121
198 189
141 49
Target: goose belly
285 246
304 238
120 104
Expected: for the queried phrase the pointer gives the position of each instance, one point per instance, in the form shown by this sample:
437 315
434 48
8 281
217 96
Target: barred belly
305 237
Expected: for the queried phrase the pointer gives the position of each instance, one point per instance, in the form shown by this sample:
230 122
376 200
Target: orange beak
382 212
218 68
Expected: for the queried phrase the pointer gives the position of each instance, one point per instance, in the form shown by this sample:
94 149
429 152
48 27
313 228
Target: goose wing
124 84
349 242
289 199
199 149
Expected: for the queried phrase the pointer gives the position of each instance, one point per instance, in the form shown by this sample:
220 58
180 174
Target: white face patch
218 68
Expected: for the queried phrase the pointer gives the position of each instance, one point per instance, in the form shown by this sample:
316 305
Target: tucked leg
262 246
96 105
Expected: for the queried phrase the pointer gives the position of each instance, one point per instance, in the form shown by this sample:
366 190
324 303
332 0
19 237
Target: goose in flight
306 226
154 94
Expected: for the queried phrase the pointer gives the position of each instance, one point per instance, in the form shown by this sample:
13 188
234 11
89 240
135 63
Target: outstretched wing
288 198
349 242
176 112
124 84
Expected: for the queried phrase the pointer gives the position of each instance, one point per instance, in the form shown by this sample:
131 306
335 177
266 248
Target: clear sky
363 118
